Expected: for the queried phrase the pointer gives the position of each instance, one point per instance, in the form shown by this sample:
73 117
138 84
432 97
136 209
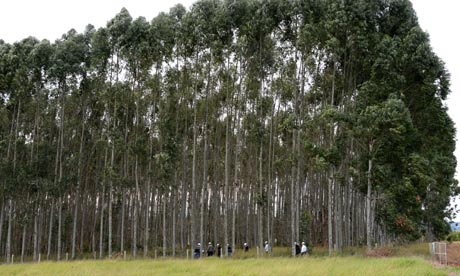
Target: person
304 249
210 250
267 247
229 250
246 247
297 248
219 250
196 251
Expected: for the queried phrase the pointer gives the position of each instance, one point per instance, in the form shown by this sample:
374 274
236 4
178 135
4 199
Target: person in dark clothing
219 250
229 250
210 249
297 248
246 247
196 251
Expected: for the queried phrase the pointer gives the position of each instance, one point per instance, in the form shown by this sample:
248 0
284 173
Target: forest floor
271 266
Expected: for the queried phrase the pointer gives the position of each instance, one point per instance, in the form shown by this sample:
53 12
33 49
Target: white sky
51 18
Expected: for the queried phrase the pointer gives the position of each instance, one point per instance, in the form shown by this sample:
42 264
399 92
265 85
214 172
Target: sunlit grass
219 267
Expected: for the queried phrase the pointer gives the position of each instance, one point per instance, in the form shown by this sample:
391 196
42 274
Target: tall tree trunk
260 212
164 224
227 180
59 235
101 223
331 175
8 237
23 245
110 195
368 198
193 191
122 230
292 190
83 221
50 229
79 176
135 206
147 214
173 232
204 186
2 214
35 233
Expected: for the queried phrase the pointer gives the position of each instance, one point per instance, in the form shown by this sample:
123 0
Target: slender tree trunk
122 230
368 198
2 213
260 212
23 245
147 215
83 221
205 174
112 157
227 180
193 191
50 230
164 225
101 224
8 238
35 234
173 238
135 205
331 176
293 198
59 242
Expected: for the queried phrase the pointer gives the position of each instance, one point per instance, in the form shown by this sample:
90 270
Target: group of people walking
300 250
210 250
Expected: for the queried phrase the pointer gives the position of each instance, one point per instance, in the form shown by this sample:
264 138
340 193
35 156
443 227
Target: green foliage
453 237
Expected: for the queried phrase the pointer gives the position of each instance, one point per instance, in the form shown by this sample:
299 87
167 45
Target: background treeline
234 121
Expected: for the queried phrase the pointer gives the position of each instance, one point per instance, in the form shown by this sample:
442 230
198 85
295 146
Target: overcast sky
51 18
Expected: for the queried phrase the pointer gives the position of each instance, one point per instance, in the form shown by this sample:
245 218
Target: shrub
453 236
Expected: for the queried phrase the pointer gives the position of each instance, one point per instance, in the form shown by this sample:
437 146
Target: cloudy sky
51 18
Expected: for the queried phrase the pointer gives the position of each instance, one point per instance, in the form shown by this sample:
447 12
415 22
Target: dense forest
233 121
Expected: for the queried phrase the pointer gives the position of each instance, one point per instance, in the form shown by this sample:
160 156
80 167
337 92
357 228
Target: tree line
233 121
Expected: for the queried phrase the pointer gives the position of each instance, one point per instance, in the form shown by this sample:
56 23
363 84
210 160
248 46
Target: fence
438 251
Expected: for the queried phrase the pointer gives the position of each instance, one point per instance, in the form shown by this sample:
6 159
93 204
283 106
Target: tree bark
8 238
368 198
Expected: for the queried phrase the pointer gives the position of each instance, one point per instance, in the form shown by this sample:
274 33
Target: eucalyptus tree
117 32
382 127
68 65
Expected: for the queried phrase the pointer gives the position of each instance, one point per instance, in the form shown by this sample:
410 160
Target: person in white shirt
303 250
267 247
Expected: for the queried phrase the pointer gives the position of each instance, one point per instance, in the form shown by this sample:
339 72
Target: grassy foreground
220 267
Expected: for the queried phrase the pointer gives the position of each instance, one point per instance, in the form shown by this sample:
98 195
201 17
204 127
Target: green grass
219 267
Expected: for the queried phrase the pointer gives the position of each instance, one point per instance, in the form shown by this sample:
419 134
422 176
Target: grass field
406 260
220 267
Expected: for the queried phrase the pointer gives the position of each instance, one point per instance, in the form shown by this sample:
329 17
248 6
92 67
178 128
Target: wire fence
438 251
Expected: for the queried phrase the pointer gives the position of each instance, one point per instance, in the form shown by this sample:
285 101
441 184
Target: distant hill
455 226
